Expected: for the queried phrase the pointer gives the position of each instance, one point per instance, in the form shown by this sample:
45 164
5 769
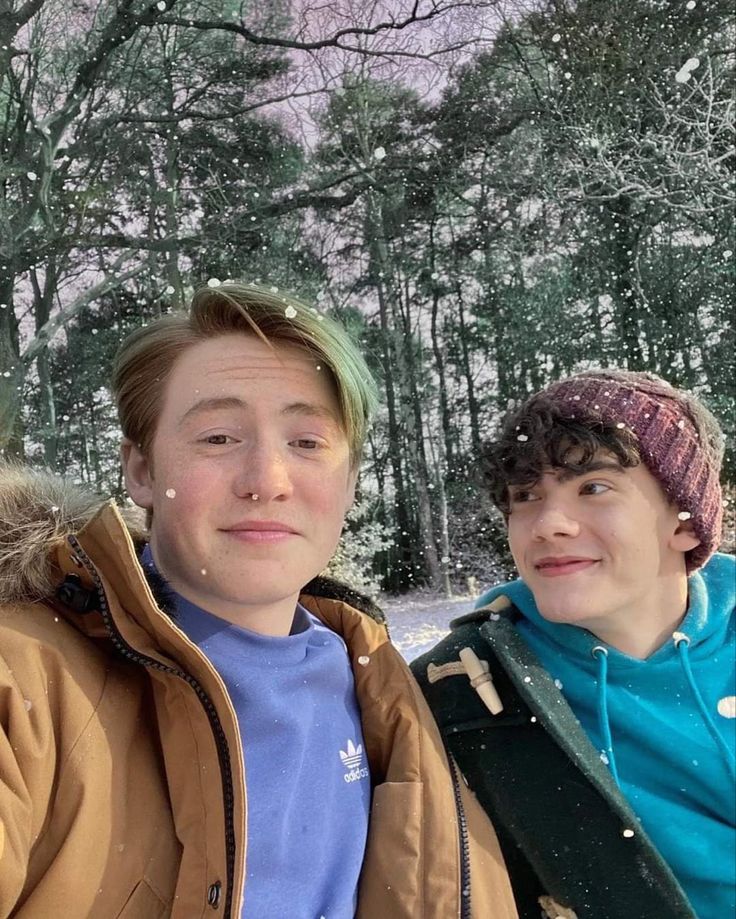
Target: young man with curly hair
598 727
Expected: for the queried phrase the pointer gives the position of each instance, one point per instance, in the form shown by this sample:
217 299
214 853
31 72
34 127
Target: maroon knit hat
680 441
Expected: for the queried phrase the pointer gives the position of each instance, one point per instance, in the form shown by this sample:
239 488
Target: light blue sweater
664 725
306 771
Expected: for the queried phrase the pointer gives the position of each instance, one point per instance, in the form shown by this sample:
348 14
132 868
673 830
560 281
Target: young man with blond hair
193 723
598 730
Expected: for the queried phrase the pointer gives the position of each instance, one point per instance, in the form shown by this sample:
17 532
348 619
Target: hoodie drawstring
682 643
601 655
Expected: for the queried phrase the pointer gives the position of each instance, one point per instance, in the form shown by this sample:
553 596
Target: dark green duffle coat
572 844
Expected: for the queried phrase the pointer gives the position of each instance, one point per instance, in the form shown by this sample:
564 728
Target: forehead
577 461
637 478
243 366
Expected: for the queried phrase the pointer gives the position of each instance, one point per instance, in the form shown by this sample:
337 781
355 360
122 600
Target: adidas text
355 775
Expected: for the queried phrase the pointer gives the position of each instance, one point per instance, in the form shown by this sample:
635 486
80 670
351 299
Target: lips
558 565
259 531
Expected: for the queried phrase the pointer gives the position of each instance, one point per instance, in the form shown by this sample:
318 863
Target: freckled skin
630 586
279 437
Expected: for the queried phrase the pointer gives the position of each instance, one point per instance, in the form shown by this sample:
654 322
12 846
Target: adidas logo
352 758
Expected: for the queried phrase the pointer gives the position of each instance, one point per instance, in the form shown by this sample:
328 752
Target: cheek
330 496
515 533
182 487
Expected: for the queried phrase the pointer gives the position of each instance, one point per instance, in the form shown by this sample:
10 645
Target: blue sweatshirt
674 761
307 778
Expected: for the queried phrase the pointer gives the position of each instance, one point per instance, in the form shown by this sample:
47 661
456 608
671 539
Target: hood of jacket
38 511
711 600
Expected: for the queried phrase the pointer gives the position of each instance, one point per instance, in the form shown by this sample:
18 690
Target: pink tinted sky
422 55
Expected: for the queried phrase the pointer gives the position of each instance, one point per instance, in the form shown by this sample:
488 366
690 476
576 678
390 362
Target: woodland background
489 194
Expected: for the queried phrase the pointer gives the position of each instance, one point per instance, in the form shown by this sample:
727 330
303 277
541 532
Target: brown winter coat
122 788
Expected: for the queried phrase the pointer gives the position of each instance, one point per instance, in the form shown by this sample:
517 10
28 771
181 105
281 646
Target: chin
552 614
558 610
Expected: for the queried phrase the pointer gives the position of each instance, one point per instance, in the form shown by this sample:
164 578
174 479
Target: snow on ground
417 621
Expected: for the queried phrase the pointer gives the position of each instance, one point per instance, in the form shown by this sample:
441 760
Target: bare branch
333 41
47 331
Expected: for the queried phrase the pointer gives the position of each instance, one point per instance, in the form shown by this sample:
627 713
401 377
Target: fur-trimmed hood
39 509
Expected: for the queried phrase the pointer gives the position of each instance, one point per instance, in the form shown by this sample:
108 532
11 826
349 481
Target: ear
137 474
683 538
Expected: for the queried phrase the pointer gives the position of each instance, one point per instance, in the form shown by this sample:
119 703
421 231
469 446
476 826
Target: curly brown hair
537 436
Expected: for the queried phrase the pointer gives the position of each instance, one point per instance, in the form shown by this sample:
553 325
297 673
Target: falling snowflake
379 154
214 282
685 72
170 492
290 312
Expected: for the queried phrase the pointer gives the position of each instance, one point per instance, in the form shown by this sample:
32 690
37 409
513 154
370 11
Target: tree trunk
439 362
415 445
42 311
12 377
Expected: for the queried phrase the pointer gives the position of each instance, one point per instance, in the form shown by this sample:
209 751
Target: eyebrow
223 403
565 474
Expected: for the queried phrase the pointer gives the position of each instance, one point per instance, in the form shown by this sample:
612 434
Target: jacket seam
63 765
417 698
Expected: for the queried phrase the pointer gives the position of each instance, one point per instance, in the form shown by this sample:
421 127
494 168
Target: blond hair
146 357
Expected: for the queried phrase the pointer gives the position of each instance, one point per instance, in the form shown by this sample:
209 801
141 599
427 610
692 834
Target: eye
218 440
594 488
521 495
305 443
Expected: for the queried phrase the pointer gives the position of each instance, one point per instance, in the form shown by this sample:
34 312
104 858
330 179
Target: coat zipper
223 750
464 844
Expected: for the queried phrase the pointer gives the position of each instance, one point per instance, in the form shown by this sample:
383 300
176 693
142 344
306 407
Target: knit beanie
680 441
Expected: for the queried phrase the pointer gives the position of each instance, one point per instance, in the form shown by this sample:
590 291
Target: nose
263 474
553 520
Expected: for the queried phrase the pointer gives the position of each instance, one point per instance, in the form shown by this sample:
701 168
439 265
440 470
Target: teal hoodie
665 726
